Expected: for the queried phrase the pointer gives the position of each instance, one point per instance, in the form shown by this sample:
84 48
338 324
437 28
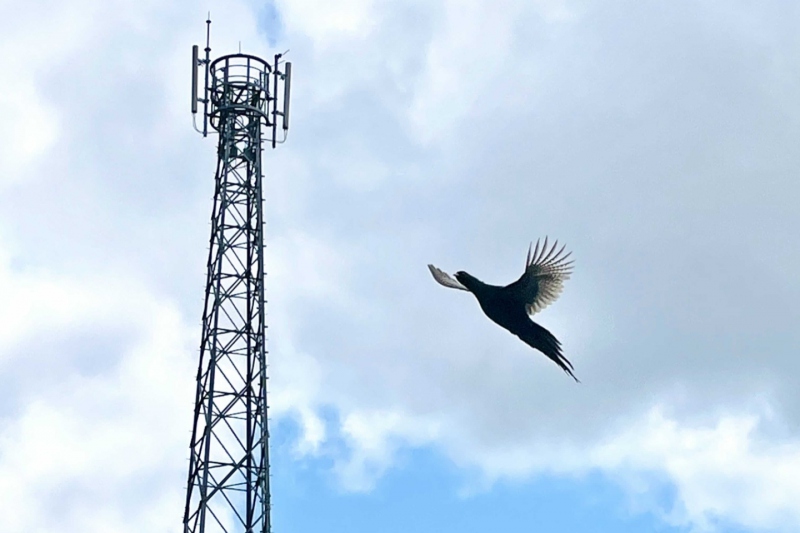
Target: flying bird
512 306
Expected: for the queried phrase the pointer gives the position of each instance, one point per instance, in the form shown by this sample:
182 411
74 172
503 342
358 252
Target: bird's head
465 279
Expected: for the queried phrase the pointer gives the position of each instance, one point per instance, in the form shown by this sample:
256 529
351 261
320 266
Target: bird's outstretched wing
445 279
546 270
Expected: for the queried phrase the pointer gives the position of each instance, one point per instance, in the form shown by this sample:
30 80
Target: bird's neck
472 283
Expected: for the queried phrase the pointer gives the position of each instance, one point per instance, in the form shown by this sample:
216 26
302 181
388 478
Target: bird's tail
539 338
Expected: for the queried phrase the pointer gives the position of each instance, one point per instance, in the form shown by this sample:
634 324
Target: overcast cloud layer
657 139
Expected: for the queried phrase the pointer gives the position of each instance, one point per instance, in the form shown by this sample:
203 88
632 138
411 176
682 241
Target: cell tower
228 487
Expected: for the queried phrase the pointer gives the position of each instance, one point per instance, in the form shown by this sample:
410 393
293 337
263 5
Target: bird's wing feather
445 279
546 270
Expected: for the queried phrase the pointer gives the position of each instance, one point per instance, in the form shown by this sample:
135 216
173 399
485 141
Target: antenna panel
194 78
287 87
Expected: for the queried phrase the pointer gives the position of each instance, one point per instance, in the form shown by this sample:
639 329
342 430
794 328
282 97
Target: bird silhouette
512 306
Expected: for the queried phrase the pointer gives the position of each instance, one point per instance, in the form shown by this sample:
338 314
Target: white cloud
596 132
374 437
81 449
563 86
463 59
296 385
726 470
723 471
325 22
30 124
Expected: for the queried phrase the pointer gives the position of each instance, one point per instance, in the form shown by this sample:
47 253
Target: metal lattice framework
228 485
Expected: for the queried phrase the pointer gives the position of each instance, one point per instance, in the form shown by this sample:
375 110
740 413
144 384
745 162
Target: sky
658 140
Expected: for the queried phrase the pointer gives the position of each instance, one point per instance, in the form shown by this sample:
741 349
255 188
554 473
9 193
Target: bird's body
511 306
500 304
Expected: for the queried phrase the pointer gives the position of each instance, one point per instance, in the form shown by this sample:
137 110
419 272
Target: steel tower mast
228 484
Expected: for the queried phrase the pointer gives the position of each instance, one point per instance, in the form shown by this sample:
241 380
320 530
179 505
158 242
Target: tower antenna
228 484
